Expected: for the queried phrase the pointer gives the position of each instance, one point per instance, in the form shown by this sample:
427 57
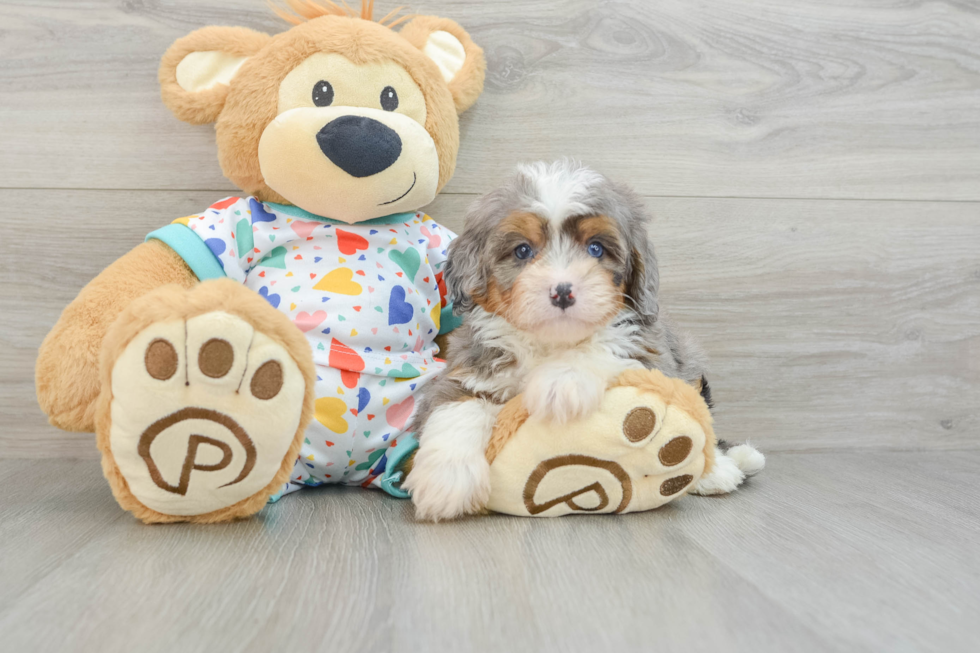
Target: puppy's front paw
447 487
562 394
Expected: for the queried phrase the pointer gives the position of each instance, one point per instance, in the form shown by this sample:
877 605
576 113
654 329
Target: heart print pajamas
370 299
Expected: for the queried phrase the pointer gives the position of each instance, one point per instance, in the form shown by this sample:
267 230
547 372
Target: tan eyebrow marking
529 225
593 226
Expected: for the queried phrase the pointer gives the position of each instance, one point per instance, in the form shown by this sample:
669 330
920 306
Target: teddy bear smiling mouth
414 179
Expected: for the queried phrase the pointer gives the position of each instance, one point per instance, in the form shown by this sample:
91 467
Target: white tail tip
749 459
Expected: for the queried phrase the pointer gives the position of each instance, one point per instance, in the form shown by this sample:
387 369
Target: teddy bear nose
359 146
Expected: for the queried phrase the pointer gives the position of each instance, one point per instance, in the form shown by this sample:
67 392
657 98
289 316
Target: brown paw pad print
215 360
203 412
638 425
160 359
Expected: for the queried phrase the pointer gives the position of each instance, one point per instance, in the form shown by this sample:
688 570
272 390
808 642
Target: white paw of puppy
562 394
445 486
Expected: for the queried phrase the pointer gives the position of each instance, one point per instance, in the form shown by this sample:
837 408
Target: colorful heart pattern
309 321
399 311
368 299
397 414
340 282
259 213
274 259
272 298
408 261
330 412
435 240
349 243
343 357
304 228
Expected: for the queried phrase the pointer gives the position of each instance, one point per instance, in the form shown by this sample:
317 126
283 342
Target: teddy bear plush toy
280 339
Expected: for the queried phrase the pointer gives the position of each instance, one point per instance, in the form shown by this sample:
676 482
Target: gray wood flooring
856 551
814 170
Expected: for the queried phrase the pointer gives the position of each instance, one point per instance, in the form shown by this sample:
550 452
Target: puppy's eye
322 93
389 99
523 251
596 250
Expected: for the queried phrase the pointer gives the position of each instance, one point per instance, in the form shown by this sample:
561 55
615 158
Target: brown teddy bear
279 339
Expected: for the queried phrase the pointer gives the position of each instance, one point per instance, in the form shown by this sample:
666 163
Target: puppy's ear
643 277
459 59
464 273
197 69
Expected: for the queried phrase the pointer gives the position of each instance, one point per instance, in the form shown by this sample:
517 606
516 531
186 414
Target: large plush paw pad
203 412
640 450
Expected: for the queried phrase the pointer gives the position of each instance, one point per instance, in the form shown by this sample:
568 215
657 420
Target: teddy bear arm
67 369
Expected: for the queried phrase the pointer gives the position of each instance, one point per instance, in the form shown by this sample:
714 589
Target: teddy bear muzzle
349 163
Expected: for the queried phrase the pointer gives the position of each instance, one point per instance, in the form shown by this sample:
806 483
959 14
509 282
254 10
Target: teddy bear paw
638 451
203 412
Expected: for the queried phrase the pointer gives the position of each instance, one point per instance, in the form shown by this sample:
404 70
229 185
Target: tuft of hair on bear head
304 10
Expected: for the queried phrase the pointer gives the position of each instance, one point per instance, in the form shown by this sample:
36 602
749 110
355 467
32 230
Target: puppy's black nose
562 296
359 146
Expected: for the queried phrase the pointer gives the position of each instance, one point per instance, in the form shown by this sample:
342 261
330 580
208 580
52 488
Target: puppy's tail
733 464
747 458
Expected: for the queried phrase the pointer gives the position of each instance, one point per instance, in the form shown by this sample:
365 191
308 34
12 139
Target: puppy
558 282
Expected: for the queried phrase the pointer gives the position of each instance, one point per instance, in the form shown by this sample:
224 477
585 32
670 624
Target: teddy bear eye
322 93
389 99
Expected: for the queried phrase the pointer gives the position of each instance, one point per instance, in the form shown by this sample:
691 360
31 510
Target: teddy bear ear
196 70
458 58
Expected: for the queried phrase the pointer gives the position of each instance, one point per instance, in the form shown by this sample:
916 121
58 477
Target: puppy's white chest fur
558 381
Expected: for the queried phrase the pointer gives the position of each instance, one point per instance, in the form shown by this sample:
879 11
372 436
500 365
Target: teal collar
296 212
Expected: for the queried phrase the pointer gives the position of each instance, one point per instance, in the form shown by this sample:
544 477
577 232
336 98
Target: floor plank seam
653 196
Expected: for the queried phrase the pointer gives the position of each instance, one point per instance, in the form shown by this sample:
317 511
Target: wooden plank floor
814 171
860 551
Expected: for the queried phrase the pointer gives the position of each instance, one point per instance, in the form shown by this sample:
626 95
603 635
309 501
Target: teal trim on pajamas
391 479
303 214
189 246
275 497
448 321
